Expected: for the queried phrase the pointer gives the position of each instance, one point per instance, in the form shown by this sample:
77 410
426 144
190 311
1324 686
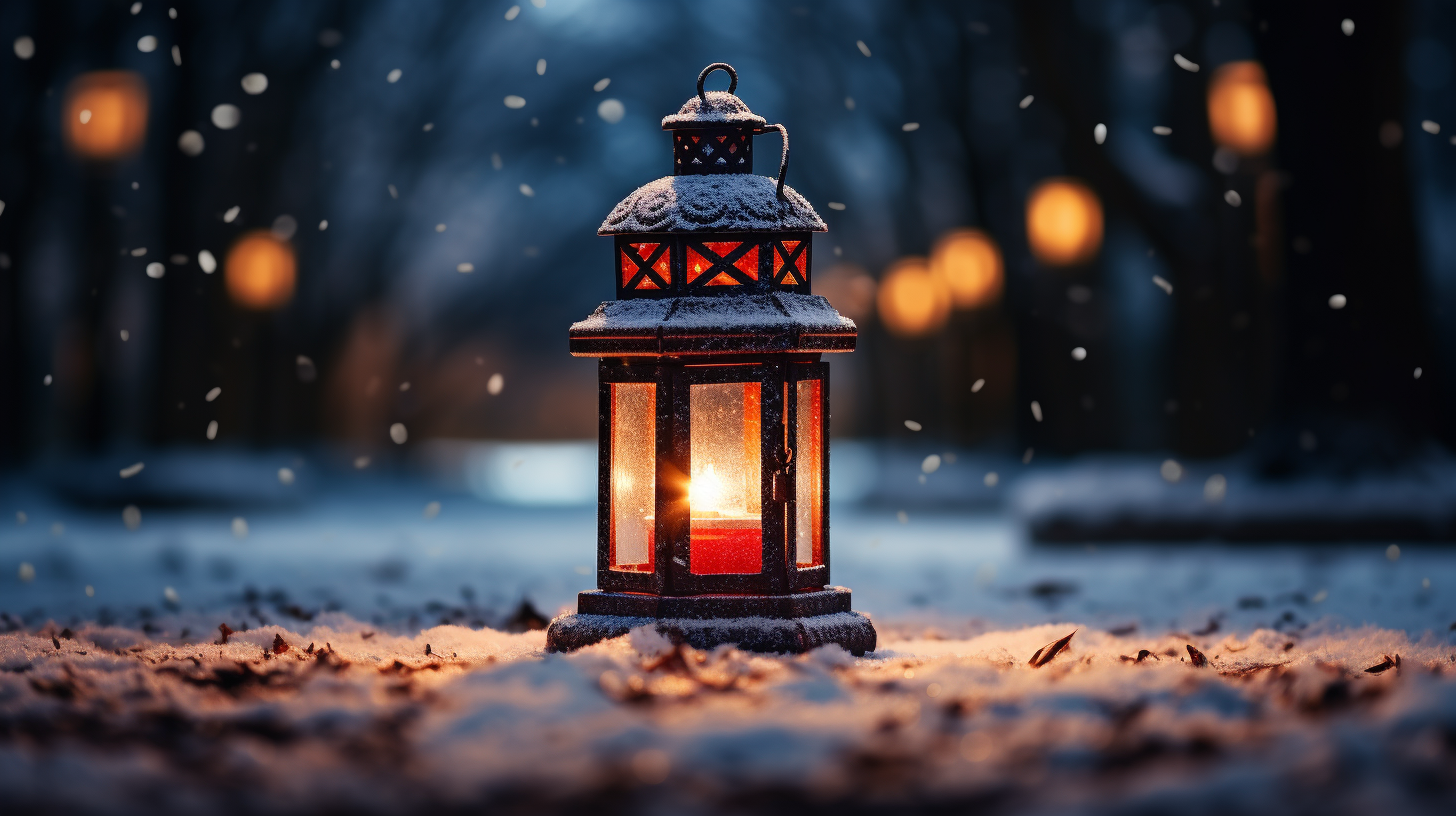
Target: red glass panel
722 248
783 267
629 268
725 494
633 477
733 148
801 263
748 264
809 474
663 267
647 283
697 264
789 246
722 139
644 251
723 279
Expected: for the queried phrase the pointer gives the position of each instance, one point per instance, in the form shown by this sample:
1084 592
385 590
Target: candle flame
705 491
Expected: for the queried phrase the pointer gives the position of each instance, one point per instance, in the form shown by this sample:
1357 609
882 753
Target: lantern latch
780 487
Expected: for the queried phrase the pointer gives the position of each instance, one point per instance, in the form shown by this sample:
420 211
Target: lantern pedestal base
755 623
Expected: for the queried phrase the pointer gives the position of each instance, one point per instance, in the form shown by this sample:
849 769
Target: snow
370 723
719 107
718 203
156 716
775 312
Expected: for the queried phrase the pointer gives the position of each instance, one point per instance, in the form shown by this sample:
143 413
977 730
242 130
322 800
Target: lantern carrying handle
784 161
717 66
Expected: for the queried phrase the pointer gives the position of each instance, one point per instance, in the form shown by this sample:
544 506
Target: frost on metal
719 107
720 203
774 312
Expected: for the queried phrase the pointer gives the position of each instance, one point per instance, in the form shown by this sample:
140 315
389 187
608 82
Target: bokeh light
968 262
261 271
848 288
1063 222
912 302
1241 113
105 115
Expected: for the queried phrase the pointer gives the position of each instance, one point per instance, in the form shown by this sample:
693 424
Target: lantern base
851 630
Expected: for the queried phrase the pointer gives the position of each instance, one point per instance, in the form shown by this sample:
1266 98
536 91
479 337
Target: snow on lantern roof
740 202
778 321
713 108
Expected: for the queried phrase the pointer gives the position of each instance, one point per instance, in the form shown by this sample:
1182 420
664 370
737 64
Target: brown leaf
56 642
1045 654
366 635
225 630
427 649
279 644
310 649
1387 662
1197 657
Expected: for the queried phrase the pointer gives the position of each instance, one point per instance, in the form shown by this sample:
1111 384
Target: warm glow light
105 115
705 492
1063 222
1241 112
261 271
912 301
968 262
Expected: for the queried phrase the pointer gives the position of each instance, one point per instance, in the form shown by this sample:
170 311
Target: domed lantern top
714 229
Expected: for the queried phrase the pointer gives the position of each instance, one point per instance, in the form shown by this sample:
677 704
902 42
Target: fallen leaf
1197 657
1045 654
225 630
279 644
1387 662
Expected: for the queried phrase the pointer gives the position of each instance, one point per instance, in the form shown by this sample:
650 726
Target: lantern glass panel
725 493
809 474
634 476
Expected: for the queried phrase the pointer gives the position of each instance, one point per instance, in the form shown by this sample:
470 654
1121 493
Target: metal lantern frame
709 296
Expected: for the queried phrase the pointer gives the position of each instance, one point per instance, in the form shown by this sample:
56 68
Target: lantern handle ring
784 160
717 66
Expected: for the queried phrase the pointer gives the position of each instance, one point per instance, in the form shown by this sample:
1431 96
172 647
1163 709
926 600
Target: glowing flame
706 491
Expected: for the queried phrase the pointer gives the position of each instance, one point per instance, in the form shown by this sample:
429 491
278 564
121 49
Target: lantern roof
713 109
720 203
772 322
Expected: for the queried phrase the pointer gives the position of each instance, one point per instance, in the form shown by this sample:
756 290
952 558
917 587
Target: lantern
105 114
1063 222
713 506
1241 112
260 271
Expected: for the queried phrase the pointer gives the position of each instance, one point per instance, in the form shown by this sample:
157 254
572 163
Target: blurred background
1135 269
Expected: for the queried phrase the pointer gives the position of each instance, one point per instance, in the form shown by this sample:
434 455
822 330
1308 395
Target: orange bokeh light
968 262
912 302
1241 113
105 114
261 271
1063 222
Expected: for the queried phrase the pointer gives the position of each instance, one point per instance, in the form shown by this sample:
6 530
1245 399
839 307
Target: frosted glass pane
725 495
634 475
809 474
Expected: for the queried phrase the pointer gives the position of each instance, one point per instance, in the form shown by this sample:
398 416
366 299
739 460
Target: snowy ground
121 699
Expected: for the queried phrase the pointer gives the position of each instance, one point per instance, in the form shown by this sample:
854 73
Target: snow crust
1274 723
717 203
773 312
720 107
